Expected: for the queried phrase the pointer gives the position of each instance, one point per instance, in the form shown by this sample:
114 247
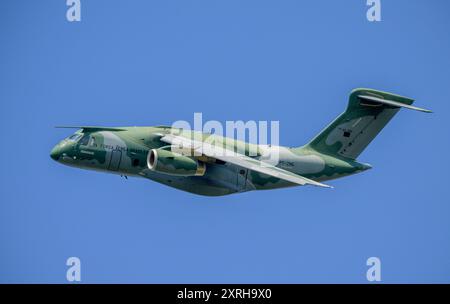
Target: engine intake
165 161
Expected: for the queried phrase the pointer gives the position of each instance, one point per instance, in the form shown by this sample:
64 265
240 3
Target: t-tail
367 113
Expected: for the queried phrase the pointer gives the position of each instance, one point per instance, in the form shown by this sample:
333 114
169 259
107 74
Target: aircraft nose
55 153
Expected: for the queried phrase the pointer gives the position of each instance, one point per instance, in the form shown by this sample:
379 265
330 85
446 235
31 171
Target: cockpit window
84 140
92 142
74 137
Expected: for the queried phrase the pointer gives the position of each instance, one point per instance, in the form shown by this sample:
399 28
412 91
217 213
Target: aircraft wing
203 148
91 128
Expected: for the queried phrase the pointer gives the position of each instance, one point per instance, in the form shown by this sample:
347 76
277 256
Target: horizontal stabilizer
392 103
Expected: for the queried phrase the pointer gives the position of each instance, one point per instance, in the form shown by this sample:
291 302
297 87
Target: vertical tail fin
367 113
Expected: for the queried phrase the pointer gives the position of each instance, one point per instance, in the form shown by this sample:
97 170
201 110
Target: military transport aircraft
147 151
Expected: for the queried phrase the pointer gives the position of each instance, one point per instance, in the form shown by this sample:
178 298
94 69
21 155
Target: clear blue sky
154 62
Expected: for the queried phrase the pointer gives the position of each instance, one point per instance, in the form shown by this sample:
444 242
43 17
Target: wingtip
324 185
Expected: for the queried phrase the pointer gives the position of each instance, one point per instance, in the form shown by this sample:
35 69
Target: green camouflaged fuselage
124 151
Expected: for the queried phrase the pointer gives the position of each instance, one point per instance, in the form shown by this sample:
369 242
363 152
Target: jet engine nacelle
168 162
